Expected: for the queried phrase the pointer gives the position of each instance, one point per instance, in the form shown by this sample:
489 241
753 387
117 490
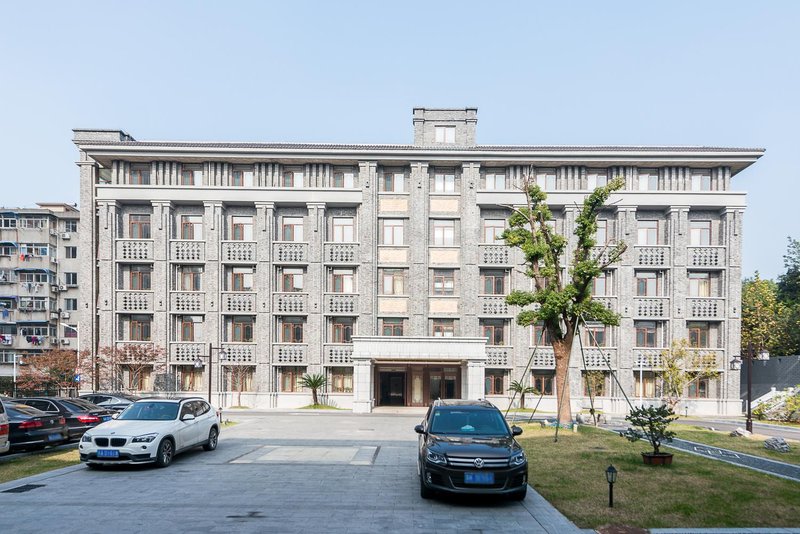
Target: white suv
151 430
5 444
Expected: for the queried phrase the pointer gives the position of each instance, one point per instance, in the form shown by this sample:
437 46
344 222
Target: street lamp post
198 363
15 357
77 352
762 355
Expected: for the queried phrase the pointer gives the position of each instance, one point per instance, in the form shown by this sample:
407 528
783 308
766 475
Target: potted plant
651 423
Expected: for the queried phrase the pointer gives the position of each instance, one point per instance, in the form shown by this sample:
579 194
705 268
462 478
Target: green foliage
314 382
650 423
762 315
521 388
789 282
784 407
679 366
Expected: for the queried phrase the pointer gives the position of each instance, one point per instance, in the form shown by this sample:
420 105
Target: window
393 182
445 134
70 304
699 233
8 250
242 329
291 280
596 179
698 335
495 181
543 383
393 281
392 327
71 226
546 180
600 284
541 336
140 277
444 233
191 379
343 281
646 284
71 279
392 232
290 378
595 336
292 229
493 282
292 329
494 331
645 384
701 182
292 179
648 180
601 235
70 331
242 178
186 327
494 382
444 281
646 333
343 180
343 230
140 328
242 228
9 221
242 279
192 227
698 388
32 223
189 278
493 229
444 183
699 285
443 327
343 329
341 380
594 384
139 226
139 175
238 377
647 233
71 252
191 176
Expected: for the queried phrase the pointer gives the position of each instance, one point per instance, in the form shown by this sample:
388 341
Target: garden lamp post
611 477
762 355
198 363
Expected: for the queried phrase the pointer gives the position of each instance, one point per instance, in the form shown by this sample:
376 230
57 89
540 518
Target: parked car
32 429
151 430
113 401
466 446
80 415
5 444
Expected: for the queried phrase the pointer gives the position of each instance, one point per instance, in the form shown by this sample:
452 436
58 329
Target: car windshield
150 411
468 422
79 405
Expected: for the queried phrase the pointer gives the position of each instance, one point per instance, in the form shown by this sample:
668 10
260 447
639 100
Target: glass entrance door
392 388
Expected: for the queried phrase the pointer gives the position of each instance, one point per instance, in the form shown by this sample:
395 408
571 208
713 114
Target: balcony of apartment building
341 297
134 250
701 253
290 348
338 347
494 285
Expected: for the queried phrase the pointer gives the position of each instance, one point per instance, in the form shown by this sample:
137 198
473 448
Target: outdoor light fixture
761 355
611 476
736 363
198 363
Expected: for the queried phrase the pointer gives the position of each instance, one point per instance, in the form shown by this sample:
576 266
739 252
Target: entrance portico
414 371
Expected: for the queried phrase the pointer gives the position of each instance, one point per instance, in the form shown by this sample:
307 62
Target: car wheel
520 495
424 491
213 436
164 453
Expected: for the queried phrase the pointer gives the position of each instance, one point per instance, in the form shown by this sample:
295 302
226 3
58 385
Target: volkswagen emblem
478 462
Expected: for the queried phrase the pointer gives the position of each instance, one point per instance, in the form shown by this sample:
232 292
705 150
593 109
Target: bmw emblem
478 462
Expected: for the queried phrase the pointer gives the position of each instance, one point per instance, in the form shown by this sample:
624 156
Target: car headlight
86 438
147 438
518 459
435 458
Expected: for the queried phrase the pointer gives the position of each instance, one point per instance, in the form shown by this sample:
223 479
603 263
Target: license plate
479 478
106 418
108 453
55 437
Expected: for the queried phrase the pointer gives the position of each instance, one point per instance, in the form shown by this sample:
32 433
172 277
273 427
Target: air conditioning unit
53 232
62 287
65 235
54 288
54 315
65 315
54 340
65 341
53 259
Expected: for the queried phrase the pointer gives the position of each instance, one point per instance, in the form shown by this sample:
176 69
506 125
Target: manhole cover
23 489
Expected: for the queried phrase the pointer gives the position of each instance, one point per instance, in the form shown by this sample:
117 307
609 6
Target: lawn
37 463
749 445
693 492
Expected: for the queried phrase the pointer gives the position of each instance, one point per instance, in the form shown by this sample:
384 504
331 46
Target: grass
319 407
750 445
37 463
693 492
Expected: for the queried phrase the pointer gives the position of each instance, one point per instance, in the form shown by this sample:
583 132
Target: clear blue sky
712 72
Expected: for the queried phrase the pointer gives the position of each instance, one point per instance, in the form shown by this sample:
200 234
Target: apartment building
379 265
39 283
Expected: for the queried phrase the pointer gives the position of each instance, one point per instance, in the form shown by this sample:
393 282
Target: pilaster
417 238
367 275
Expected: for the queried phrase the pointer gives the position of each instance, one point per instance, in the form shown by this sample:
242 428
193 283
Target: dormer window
445 134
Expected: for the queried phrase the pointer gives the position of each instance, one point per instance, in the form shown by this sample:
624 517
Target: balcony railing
135 301
290 353
341 303
186 352
341 252
544 358
290 303
499 356
134 250
651 307
338 354
239 353
122 345
600 357
238 302
289 252
239 251
706 257
187 301
609 302
492 305
647 358
494 255
705 308
696 359
187 251
652 256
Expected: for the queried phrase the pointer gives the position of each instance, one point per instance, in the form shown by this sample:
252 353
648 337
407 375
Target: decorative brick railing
544 358
290 303
123 345
647 358
499 356
187 251
289 353
239 251
609 302
705 308
187 301
134 249
494 255
341 252
492 305
289 252
238 302
135 301
339 354
239 353
656 307
187 352
341 303
706 359
652 256
706 256
599 357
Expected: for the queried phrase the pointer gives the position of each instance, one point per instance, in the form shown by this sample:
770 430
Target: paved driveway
274 472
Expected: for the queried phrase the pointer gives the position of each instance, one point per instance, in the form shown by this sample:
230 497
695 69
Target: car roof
165 399
464 403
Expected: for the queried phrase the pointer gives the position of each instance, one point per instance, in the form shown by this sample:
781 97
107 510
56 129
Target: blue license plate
479 478
106 418
108 453
55 437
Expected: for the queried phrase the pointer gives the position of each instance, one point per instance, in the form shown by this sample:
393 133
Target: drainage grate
23 489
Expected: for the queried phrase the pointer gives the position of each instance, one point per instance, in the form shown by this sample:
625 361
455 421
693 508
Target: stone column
470 237
107 321
625 290
367 224
263 233
417 239
476 372
87 271
213 234
160 229
362 385
314 330
732 239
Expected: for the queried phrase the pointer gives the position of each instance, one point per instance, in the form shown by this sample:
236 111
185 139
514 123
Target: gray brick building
377 265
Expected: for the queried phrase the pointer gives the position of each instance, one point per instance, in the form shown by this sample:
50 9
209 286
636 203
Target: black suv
466 446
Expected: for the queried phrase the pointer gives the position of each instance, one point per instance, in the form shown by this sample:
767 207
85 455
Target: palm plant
314 382
521 388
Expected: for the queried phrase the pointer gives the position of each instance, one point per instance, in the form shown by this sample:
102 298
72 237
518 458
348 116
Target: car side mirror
114 415
188 417
515 430
419 429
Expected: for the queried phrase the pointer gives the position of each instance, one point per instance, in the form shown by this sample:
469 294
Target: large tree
561 300
789 282
52 371
137 360
762 316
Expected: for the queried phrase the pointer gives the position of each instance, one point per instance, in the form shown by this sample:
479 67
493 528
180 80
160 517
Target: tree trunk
562 350
314 396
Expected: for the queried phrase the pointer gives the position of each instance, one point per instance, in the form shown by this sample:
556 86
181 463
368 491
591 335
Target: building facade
379 265
39 281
